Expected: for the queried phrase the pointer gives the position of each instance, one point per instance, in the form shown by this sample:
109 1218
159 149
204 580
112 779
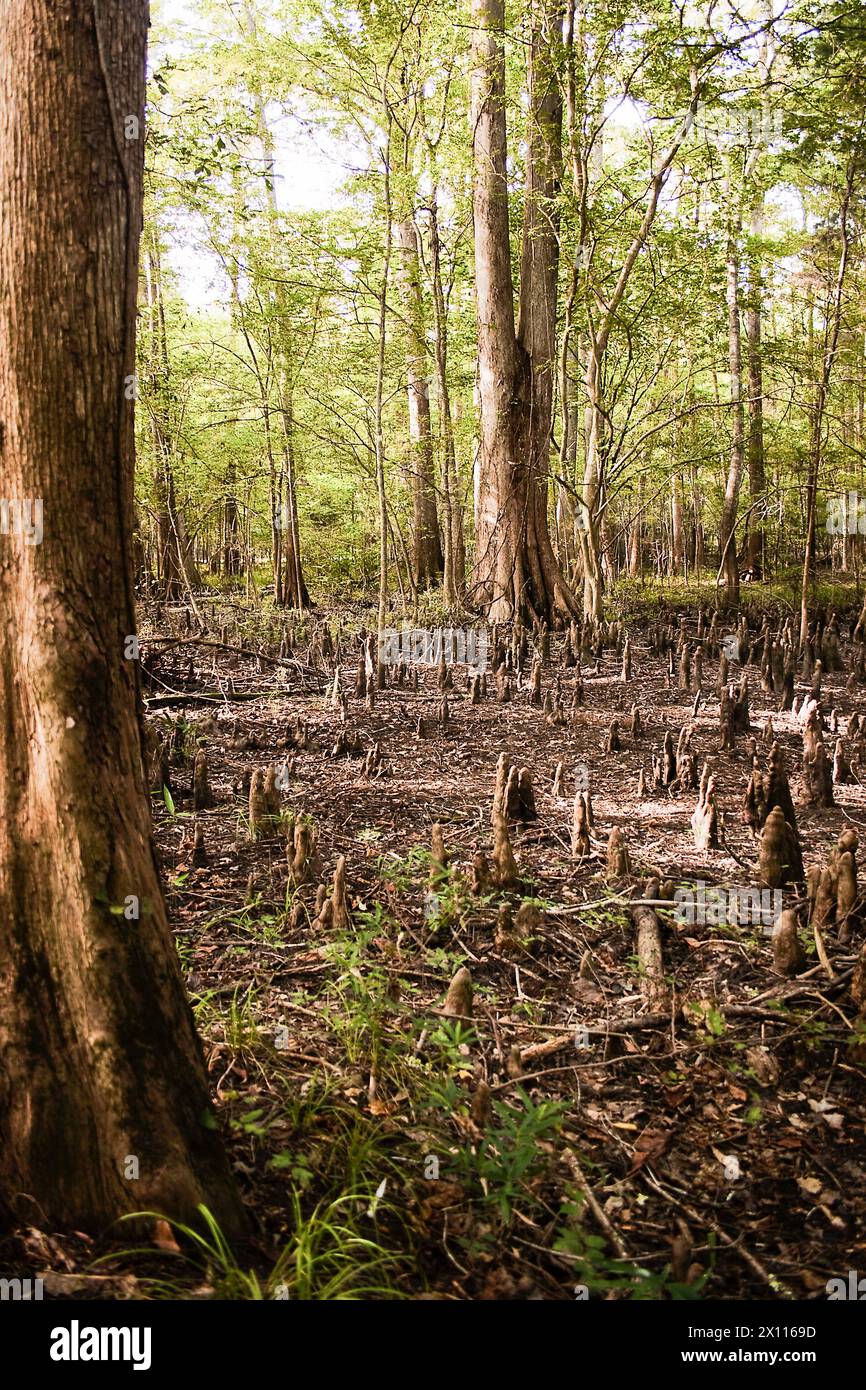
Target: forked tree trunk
100 1060
536 326
516 571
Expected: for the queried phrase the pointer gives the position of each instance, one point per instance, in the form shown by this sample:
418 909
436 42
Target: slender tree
427 546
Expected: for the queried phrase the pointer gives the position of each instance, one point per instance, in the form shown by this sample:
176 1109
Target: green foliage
602 1275
513 1150
276 355
326 1259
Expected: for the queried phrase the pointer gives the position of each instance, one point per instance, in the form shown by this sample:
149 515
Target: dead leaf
810 1187
649 1146
163 1238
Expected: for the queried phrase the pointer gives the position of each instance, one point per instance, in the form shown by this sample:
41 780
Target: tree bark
177 566
755 446
293 588
454 579
426 543
290 588
231 548
595 460
677 547
516 571
379 416
100 1058
832 326
727 538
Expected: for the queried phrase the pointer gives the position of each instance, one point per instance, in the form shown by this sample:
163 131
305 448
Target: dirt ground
569 1139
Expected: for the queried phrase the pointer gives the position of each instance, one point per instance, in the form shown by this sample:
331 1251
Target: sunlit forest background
308 253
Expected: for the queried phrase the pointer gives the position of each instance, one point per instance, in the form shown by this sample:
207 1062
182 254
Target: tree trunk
454 580
832 325
566 508
516 571
101 1064
379 418
634 550
727 537
697 512
757 478
593 473
290 588
177 566
426 543
231 538
677 548
594 462
293 588
574 343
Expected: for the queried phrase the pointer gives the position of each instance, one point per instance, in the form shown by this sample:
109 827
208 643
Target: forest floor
567 1139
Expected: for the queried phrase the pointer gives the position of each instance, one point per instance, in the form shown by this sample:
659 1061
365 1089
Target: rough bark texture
515 568
100 1060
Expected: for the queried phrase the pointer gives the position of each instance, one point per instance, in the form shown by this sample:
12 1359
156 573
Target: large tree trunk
516 571
100 1061
498 573
566 509
536 327
573 349
426 543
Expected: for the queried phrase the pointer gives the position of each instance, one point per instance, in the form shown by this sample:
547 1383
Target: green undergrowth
390 1149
